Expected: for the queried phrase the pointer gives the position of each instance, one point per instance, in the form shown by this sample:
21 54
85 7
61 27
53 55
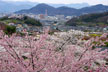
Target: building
60 17
41 16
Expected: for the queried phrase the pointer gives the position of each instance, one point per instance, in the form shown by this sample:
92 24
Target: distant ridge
40 9
76 5
9 7
13 6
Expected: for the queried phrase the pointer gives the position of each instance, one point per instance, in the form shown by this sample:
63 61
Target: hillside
24 20
94 9
95 19
64 10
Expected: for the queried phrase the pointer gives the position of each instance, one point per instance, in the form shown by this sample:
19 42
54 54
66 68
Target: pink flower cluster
26 54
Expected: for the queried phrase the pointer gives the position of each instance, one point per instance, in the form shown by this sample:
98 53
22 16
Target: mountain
13 6
8 7
77 5
67 11
94 9
92 20
40 9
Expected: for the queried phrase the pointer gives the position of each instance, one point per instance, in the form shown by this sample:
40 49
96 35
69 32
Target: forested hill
25 20
95 19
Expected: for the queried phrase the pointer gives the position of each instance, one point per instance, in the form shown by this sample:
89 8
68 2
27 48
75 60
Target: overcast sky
92 2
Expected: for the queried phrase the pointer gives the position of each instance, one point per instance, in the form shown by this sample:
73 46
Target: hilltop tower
46 12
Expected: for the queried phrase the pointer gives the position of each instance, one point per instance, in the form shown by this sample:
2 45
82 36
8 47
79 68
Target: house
19 29
12 24
105 29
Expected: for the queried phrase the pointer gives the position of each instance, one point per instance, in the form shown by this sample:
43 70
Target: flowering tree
27 54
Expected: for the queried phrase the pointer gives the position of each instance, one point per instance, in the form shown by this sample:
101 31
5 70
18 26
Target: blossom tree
27 54
72 37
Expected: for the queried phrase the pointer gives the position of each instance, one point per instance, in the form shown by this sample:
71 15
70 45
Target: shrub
10 30
31 21
106 44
